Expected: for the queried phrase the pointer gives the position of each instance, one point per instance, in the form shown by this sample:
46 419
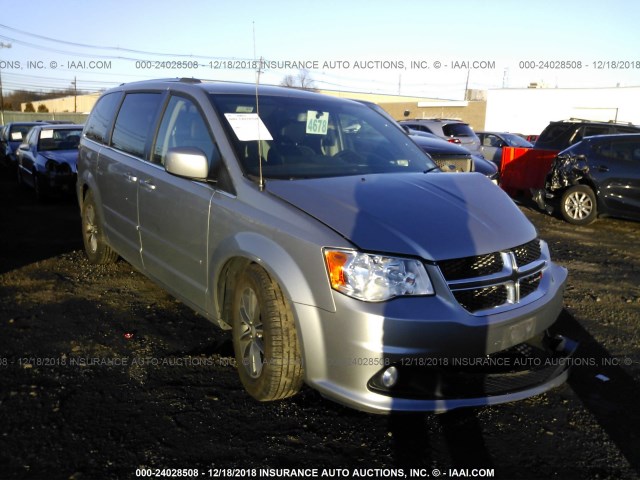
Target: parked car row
449 156
585 180
597 170
44 155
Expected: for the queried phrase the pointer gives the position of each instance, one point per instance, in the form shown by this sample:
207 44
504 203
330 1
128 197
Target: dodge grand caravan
332 247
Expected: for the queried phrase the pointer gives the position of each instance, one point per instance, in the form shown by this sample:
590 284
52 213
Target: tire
95 246
578 205
265 341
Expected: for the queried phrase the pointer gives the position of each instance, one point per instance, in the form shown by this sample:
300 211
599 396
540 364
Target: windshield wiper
431 169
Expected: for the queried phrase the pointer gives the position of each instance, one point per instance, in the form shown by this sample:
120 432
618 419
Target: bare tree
302 80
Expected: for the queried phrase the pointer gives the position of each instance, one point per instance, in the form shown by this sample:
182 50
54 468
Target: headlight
375 278
51 165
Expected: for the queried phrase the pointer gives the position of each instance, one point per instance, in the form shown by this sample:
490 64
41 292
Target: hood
434 216
483 166
62 156
437 146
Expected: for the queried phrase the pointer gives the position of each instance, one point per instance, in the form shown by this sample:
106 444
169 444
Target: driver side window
183 126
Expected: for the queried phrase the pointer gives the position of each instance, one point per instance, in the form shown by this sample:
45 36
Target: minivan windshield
315 137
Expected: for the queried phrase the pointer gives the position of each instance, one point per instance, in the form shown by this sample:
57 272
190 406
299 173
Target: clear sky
359 45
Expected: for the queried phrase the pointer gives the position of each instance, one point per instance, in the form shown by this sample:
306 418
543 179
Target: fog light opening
390 377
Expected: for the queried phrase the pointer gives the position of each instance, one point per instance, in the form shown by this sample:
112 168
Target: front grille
469 267
449 163
527 253
477 299
492 280
530 284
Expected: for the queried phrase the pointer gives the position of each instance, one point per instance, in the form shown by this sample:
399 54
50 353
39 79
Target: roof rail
573 119
438 119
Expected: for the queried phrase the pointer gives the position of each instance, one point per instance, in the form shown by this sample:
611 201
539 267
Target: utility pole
466 86
75 95
2 45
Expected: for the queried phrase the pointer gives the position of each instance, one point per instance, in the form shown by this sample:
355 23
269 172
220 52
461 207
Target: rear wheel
578 205
265 341
95 245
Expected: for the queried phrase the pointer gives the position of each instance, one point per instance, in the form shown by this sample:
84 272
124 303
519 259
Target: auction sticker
248 126
317 122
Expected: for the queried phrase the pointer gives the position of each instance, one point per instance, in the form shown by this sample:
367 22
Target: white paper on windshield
248 126
46 134
15 136
317 122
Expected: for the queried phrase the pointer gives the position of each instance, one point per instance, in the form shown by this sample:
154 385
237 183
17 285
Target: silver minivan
333 248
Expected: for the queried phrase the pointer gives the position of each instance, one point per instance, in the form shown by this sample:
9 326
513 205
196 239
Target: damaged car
331 246
599 175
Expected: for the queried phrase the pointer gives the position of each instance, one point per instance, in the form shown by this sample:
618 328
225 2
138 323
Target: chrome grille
493 280
528 252
469 267
530 284
477 299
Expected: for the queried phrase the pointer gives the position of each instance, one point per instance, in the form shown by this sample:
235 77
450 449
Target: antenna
258 71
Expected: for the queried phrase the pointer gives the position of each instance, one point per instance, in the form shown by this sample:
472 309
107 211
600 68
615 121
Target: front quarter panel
286 242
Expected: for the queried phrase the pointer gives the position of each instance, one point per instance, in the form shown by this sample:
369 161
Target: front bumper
59 182
446 358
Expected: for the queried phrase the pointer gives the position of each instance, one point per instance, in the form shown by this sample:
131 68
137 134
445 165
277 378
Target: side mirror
188 162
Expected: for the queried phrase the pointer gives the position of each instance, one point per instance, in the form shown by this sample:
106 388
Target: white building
529 110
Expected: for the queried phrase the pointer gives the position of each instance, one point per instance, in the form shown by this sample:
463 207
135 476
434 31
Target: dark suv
564 133
454 131
599 175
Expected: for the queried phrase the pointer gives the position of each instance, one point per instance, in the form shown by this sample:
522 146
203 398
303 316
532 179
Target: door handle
148 184
603 168
130 178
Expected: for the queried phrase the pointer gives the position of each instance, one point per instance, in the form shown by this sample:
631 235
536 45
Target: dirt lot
102 373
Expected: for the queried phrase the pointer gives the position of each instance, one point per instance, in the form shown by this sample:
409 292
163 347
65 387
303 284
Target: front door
174 212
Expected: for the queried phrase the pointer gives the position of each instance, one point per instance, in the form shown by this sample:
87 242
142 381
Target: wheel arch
587 182
295 280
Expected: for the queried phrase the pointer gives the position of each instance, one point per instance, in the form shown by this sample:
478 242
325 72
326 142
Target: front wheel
95 245
578 205
265 341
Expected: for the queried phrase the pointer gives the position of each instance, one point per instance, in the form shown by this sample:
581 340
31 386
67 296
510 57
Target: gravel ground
102 373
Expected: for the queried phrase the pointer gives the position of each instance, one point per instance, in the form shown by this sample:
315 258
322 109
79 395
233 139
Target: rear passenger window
101 116
593 130
135 122
624 151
